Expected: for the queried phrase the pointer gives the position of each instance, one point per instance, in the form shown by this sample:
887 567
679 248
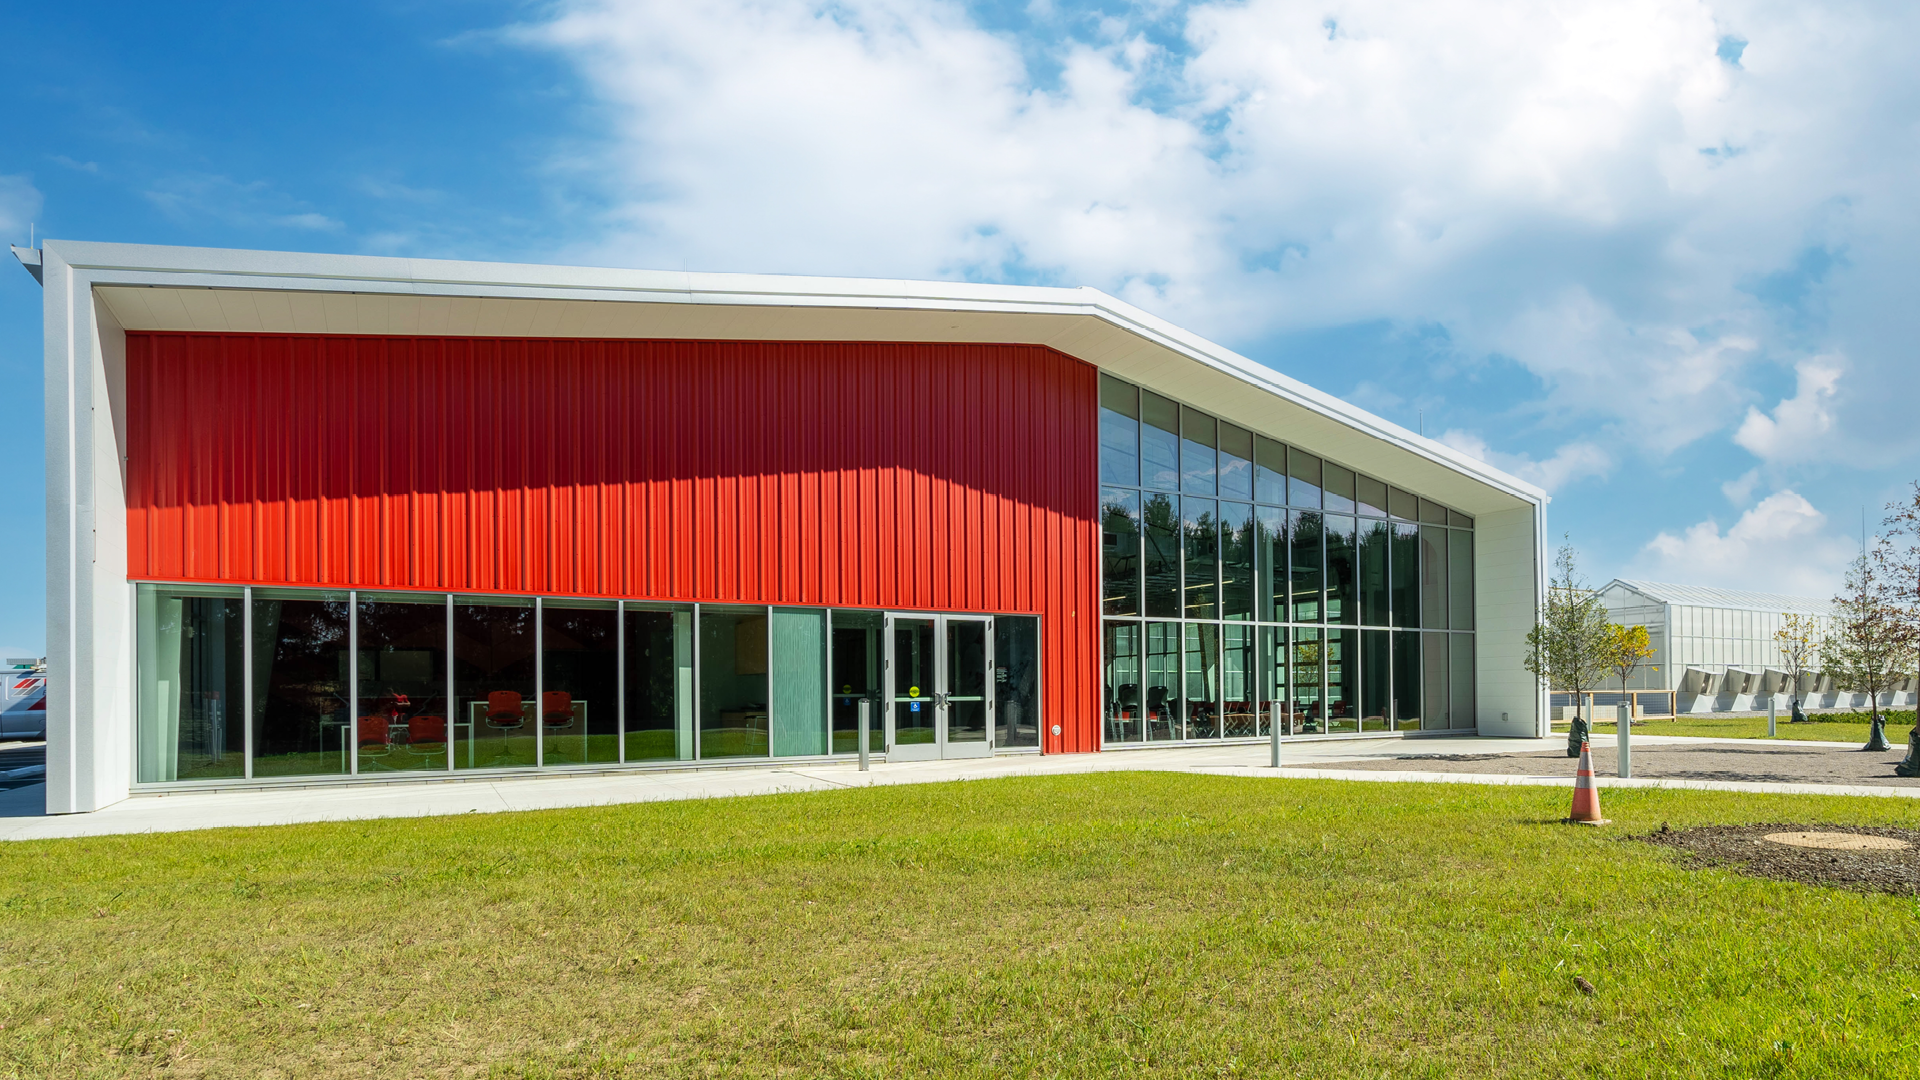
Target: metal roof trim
215 268
1734 599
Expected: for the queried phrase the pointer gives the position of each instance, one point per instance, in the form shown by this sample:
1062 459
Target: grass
1135 924
1823 727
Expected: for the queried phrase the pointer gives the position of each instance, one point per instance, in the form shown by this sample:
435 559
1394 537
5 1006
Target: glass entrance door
966 704
913 661
939 696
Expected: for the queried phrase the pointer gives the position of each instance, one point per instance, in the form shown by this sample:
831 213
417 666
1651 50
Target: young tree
1627 648
1567 647
1799 642
1903 566
1871 645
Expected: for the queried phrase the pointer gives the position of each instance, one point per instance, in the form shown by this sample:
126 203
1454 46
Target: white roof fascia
107 264
1730 599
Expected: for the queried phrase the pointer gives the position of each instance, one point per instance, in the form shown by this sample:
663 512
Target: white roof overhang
224 291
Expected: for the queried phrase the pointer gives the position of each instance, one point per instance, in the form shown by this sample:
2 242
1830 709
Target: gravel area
1742 761
1746 849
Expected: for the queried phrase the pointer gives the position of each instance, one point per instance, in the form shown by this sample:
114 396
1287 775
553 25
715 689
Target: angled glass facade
1248 583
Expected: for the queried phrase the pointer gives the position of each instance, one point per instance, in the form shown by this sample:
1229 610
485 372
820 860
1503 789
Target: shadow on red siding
942 477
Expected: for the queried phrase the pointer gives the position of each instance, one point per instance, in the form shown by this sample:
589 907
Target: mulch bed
1742 848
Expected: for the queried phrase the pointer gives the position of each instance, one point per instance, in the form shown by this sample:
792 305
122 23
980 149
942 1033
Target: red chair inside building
503 711
1160 720
556 709
429 731
373 736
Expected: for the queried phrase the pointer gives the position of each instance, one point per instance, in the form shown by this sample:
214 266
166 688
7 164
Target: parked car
23 704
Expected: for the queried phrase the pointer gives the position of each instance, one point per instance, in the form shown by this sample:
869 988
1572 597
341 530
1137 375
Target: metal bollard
1273 733
1773 710
1625 742
866 725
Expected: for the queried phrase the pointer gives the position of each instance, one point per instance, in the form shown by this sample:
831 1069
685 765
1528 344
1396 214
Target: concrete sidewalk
22 817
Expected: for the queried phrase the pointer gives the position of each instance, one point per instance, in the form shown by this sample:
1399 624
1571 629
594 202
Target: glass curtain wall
236 683
1248 583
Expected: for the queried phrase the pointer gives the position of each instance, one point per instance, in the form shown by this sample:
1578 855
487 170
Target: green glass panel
799 682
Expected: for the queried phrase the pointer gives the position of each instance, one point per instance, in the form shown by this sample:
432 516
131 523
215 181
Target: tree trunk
1578 731
1877 735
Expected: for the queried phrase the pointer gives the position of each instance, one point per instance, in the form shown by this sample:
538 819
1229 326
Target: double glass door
939 694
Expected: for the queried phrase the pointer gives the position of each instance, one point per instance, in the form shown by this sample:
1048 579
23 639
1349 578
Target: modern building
324 519
1715 650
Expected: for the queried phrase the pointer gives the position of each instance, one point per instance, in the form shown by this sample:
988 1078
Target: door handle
939 701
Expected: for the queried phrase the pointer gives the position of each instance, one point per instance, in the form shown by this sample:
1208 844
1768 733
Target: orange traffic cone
1586 797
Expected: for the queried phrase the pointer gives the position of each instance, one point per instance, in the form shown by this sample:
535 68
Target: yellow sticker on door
913 691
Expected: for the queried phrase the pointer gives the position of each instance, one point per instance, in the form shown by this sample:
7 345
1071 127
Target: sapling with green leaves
1628 647
1567 647
1871 646
1902 566
1798 639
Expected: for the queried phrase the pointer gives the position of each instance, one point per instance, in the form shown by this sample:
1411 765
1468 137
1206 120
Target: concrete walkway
22 816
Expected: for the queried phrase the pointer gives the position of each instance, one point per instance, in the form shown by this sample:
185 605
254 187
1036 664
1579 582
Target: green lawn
1112 924
1824 727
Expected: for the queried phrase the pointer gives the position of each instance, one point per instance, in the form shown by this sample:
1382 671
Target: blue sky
1654 255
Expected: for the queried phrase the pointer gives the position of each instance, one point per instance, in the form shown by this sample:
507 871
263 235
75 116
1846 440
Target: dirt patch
1747 849
1742 761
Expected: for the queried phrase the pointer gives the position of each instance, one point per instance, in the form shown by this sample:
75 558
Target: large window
236 683
1248 583
1120 551
733 682
1237 541
659 678
493 680
1343 584
402 720
192 667
1201 529
1016 679
1202 666
859 655
1161 539
300 687
580 681
1125 717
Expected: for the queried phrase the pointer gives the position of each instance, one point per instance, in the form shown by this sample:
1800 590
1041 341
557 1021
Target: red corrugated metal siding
916 477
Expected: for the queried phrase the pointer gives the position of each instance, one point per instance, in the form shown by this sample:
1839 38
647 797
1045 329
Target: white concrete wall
1509 583
89 609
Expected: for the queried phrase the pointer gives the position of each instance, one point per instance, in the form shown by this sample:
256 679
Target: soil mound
1864 858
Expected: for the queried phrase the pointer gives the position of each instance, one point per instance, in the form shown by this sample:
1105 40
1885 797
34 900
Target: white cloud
190 198
1740 489
1780 545
20 204
309 220
1575 461
1588 189
1798 429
